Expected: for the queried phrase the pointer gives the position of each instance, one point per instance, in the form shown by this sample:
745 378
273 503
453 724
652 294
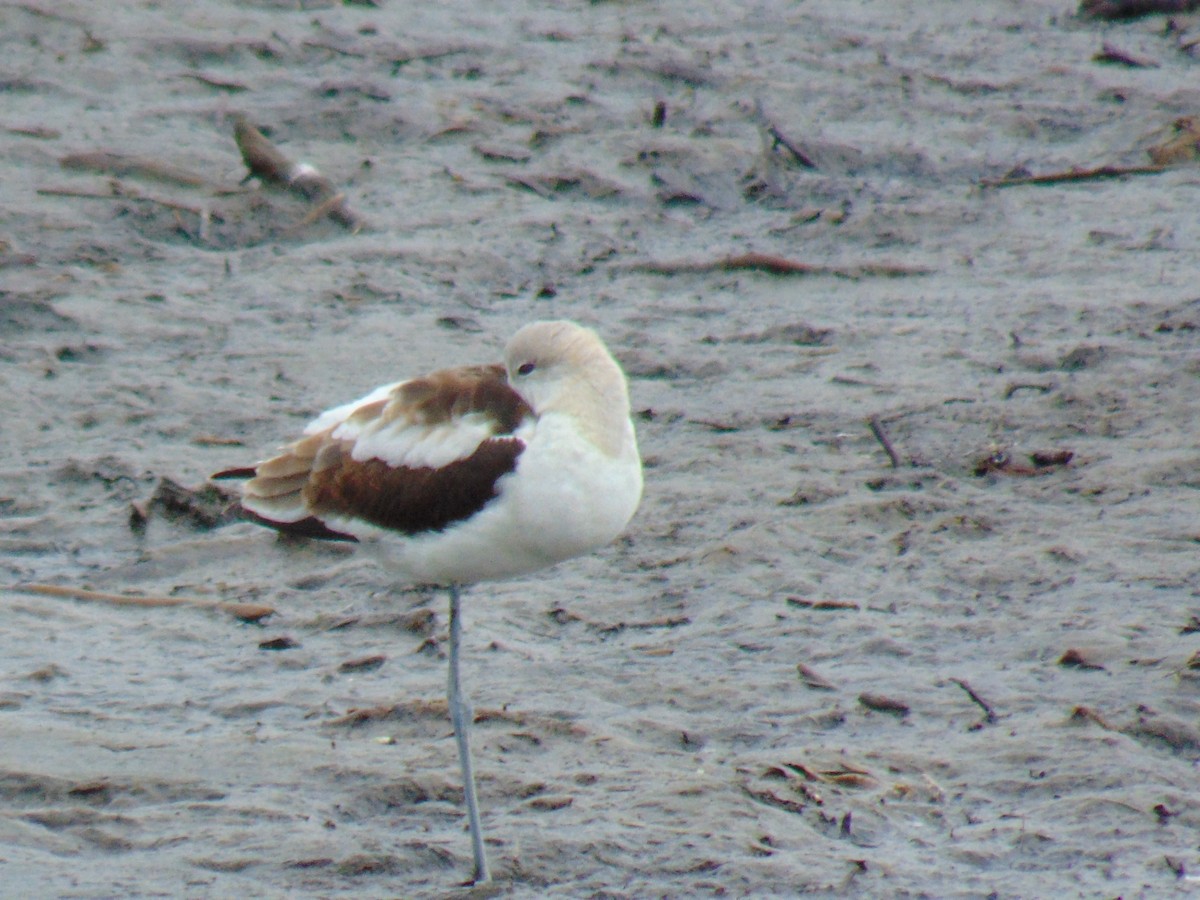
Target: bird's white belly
564 499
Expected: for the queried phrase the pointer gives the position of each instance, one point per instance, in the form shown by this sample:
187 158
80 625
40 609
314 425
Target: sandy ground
682 714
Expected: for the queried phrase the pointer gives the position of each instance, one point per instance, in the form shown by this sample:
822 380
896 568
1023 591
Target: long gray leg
461 715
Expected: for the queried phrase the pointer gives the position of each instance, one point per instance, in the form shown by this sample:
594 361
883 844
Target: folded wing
412 457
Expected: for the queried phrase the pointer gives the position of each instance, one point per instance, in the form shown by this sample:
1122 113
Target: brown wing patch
318 474
410 501
453 393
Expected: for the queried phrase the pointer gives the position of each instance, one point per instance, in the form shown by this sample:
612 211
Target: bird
464 475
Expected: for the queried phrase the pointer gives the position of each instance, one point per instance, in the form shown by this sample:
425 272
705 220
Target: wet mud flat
906 294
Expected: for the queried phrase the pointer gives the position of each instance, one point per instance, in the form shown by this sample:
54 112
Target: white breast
565 498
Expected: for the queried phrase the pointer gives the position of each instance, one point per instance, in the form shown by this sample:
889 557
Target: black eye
526 368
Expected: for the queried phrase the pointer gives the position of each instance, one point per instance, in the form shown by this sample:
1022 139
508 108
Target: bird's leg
461 716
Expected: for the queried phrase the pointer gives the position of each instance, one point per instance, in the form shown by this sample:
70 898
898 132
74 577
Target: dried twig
1074 658
648 625
812 680
1183 146
877 430
265 161
777 138
120 195
765 262
324 208
231 87
340 51
989 714
1026 386
776 265
564 616
40 132
125 166
1086 714
797 154
823 605
247 612
1110 54
884 704
770 798
1133 9
1044 459
1073 175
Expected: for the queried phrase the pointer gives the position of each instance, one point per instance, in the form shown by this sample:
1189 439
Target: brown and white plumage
468 474
411 457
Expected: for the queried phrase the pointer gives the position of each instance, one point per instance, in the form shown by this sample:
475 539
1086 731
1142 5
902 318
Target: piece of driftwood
1012 389
1115 56
811 680
1075 658
122 195
884 704
269 164
1183 145
125 166
777 265
41 132
1046 458
230 87
773 137
247 612
1133 9
790 146
1074 174
877 430
989 714
823 605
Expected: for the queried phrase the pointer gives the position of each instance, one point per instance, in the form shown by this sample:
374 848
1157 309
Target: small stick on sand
324 208
989 714
1110 54
124 166
765 262
36 131
658 118
131 196
1073 175
1026 386
776 265
1133 9
232 87
265 161
779 139
799 155
877 430
884 704
247 612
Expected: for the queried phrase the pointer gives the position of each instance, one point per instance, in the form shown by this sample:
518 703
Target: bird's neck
600 413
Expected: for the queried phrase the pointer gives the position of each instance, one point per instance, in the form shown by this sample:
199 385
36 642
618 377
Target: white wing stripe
405 444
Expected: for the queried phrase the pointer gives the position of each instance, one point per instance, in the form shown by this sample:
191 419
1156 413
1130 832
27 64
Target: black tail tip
230 474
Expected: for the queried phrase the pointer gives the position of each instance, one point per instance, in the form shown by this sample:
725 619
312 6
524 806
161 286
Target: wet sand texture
953 654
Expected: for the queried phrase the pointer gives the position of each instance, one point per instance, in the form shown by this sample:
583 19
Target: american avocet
467 475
